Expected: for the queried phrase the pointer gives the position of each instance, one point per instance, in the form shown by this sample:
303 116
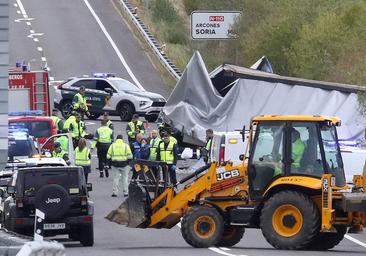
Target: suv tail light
19 202
222 154
19 221
83 200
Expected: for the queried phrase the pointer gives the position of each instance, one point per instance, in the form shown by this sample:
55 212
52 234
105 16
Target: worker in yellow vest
168 152
59 153
120 154
77 128
206 152
82 157
57 121
133 128
103 139
79 103
107 118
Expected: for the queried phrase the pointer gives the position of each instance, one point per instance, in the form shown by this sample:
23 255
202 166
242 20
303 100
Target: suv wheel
86 235
151 118
125 111
66 108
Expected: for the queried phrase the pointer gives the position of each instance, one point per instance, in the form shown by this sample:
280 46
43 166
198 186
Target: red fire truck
29 90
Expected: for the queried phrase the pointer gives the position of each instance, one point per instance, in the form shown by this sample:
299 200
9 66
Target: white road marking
43 59
31 31
217 250
21 7
35 40
31 35
23 19
18 12
225 249
15 5
51 78
29 24
119 54
220 250
39 48
355 240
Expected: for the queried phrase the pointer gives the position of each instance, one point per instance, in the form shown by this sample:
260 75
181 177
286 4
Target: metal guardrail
151 40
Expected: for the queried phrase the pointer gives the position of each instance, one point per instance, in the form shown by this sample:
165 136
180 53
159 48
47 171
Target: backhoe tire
326 241
202 226
290 220
231 236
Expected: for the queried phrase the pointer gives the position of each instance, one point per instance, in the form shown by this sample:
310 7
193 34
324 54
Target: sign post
213 24
38 225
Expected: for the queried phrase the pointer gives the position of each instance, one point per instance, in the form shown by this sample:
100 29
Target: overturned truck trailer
230 96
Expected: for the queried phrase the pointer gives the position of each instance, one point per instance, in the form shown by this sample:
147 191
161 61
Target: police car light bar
27 113
103 75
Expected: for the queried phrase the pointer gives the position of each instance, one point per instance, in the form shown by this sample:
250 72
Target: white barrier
168 64
42 248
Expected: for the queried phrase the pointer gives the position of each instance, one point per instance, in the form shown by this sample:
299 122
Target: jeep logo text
53 200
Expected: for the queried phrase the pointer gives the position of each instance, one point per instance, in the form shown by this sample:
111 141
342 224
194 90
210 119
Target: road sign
213 25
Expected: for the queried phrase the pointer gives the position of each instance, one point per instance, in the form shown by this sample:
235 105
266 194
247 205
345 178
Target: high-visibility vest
167 155
298 148
82 157
64 142
69 121
172 139
208 145
80 103
131 132
104 134
154 144
55 120
58 154
110 124
78 129
119 151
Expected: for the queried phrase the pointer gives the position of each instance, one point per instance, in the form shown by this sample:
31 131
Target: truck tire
326 241
231 236
66 108
289 220
86 235
125 110
202 226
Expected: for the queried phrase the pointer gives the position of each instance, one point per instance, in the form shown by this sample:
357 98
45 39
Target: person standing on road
79 103
120 154
136 151
59 153
82 157
77 129
59 124
154 144
103 139
133 128
207 149
168 152
109 122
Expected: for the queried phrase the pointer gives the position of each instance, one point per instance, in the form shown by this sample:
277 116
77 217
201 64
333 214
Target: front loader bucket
133 212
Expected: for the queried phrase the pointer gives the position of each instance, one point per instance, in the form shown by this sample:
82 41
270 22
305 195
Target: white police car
107 93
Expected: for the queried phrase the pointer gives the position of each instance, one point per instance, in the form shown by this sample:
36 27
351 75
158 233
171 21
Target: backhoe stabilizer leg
133 211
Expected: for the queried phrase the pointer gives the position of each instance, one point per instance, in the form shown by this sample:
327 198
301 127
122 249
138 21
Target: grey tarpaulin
196 105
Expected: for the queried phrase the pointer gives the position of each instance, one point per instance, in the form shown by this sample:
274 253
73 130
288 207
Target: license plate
48 226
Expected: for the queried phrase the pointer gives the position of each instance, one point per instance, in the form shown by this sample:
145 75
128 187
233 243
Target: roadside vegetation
322 40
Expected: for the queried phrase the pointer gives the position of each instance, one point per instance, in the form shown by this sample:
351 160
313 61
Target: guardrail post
38 225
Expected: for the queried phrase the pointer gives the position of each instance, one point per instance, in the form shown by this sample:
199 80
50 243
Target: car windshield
37 129
332 153
124 85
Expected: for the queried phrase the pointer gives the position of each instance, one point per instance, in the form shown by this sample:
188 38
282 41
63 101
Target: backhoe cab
291 185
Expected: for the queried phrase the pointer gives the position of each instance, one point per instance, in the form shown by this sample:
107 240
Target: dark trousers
102 149
172 174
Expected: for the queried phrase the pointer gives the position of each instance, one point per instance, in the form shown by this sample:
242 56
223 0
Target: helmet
57 144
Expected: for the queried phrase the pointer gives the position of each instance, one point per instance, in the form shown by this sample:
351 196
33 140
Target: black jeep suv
61 193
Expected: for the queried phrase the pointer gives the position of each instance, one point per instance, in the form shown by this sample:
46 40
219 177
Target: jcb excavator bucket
133 212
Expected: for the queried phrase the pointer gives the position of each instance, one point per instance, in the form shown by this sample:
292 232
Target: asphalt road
73 43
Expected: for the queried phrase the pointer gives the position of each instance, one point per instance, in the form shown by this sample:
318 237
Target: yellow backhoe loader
291 185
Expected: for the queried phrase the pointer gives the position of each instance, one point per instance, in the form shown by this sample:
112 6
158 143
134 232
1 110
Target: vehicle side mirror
241 157
89 187
109 91
243 133
10 189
